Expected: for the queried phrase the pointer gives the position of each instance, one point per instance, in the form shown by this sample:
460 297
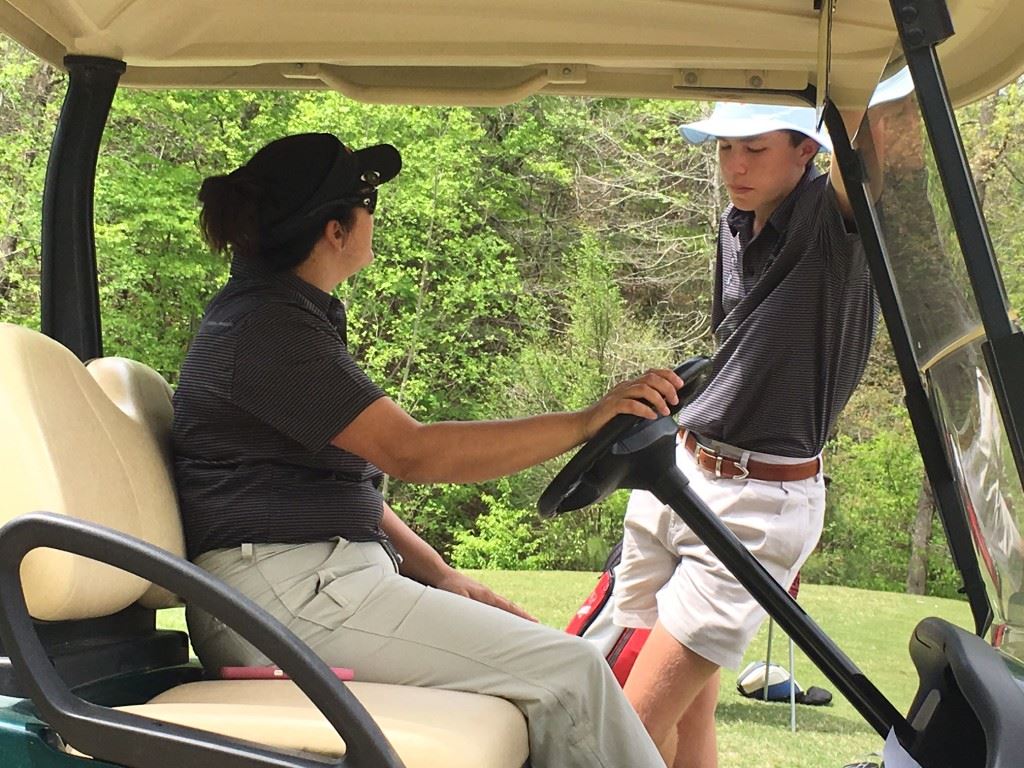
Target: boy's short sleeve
840 242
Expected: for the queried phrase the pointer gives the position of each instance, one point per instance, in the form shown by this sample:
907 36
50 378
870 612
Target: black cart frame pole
922 25
69 293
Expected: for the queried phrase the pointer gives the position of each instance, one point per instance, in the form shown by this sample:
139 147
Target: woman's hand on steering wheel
648 396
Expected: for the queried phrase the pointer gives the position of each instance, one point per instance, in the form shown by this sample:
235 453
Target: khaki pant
347 602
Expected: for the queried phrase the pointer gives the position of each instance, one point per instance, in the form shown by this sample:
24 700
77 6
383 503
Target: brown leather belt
726 466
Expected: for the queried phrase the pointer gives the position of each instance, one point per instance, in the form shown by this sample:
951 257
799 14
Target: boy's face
759 171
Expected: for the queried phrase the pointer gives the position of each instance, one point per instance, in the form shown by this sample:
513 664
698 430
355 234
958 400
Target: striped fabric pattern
266 384
794 315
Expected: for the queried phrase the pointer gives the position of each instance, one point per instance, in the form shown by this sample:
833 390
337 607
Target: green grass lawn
872 628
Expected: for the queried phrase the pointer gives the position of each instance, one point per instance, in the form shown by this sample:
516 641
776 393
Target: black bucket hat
301 177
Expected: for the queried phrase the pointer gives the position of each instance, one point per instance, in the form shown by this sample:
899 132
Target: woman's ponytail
230 214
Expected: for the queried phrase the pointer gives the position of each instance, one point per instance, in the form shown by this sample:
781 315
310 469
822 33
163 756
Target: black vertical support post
922 25
69 293
926 429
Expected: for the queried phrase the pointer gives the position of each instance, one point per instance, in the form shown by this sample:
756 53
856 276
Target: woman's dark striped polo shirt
268 381
794 315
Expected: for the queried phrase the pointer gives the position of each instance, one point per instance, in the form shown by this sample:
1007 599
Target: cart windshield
945 327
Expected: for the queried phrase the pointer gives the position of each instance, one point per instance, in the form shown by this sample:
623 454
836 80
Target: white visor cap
733 120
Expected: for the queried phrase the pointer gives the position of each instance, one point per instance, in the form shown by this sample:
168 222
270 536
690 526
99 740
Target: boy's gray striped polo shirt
794 313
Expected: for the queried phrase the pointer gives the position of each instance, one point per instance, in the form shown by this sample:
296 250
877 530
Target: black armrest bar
970 702
136 741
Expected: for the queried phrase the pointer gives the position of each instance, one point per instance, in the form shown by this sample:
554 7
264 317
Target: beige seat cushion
428 727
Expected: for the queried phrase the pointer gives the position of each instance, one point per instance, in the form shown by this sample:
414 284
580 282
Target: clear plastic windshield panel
938 304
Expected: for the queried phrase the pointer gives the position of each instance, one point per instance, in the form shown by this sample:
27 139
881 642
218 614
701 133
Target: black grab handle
136 741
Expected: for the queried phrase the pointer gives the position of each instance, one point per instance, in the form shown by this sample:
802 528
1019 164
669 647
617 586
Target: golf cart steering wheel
569 489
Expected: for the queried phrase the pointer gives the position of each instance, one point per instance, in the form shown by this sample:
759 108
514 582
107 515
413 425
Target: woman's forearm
420 561
468 452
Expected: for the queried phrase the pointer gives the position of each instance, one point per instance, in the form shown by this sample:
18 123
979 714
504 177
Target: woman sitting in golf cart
281 441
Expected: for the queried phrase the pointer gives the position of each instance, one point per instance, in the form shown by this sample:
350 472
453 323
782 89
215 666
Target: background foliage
527 257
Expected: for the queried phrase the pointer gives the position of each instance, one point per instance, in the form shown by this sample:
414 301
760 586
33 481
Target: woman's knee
585 653
583 670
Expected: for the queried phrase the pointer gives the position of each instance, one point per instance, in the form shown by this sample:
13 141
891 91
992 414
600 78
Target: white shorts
668 574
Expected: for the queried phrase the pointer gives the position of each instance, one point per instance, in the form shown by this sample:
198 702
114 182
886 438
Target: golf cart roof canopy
486 52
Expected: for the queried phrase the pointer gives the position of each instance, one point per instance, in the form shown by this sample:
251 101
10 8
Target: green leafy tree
30 98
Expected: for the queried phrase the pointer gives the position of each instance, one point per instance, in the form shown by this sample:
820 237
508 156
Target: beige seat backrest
97 453
145 397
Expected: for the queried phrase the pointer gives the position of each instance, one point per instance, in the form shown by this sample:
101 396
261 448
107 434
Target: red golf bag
593 621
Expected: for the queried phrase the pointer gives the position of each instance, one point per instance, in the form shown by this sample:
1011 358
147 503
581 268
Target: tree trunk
917 569
986 116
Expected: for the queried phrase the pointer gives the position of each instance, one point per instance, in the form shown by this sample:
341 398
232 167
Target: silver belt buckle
744 473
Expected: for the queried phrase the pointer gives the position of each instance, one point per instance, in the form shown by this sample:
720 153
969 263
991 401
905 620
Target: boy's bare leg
697 746
665 681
